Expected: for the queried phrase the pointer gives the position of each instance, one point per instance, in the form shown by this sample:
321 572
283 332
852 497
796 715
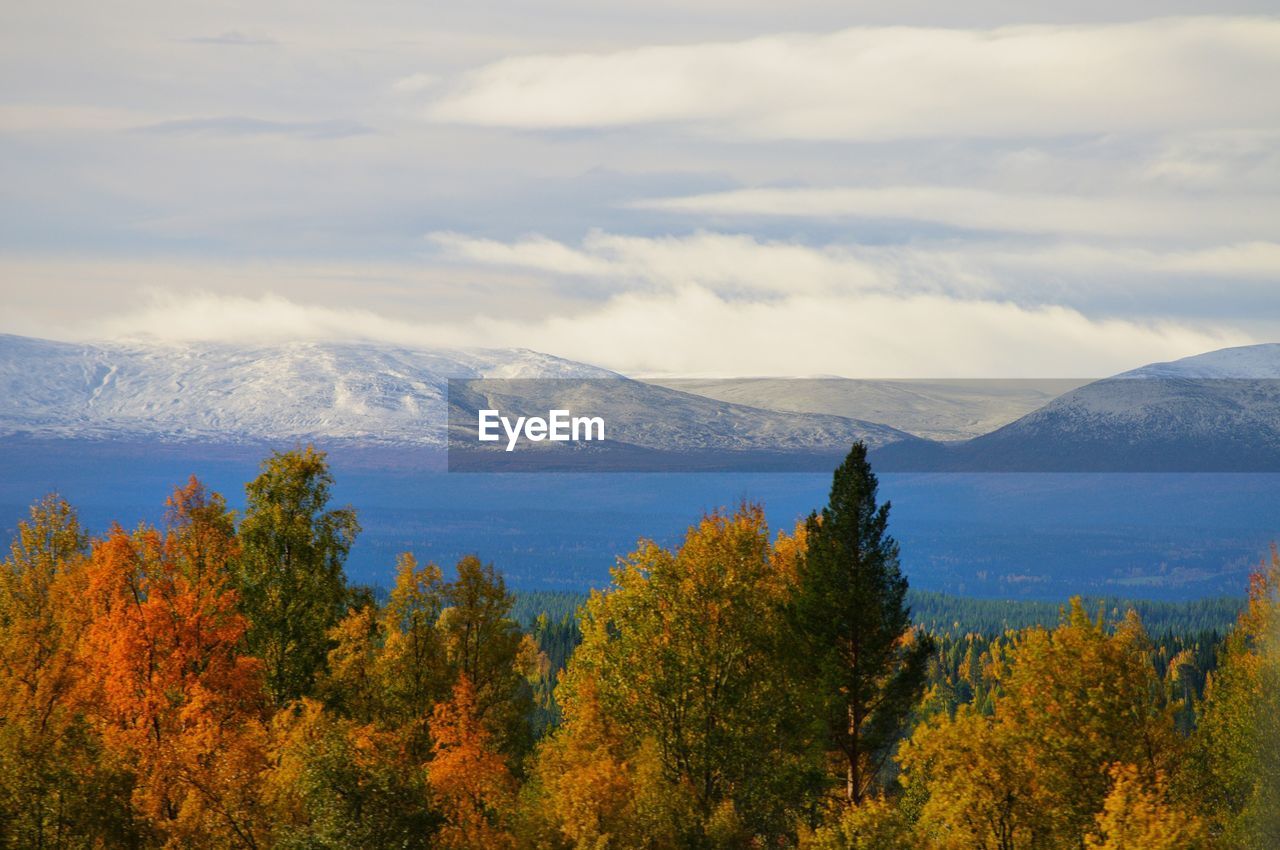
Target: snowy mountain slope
1246 362
364 394
343 391
1218 411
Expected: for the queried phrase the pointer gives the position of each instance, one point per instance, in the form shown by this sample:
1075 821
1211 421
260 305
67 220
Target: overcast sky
697 187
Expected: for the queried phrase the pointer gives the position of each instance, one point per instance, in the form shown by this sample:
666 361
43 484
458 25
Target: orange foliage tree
166 678
55 789
469 777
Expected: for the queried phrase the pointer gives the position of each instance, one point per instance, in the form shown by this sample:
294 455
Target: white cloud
729 263
694 331
533 252
874 335
208 316
739 265
415 83
1240 261
1125 216
873 83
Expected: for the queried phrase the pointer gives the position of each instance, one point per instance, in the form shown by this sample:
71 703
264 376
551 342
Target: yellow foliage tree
1071 702
1236 771
1138 816
680 661
56 787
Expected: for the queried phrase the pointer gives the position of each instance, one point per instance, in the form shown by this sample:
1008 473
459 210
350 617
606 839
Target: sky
704 187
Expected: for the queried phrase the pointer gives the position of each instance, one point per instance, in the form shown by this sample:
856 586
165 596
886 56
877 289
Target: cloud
232 38
1126 215
744 266
533 252
1240 261
415 83
878 83
212 317
694 331
27 118
726 263
236 125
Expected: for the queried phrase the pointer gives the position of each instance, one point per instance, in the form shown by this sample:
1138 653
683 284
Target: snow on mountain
361 392
1218 411
364 394
1246 362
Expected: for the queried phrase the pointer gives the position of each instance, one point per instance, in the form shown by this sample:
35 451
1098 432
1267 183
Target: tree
592 786
1069 703
414 661
683 655
487 648
1235 770
290 575
166 679
339 784
389 667
1137 814
866 667
469 777
878 823
56 788
978 783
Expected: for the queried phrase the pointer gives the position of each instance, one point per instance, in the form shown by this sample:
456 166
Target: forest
217 682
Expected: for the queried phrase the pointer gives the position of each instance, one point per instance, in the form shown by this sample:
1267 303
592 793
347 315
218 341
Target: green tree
290 577
867 668
338 784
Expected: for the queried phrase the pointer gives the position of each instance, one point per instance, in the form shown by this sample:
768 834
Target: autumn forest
217 682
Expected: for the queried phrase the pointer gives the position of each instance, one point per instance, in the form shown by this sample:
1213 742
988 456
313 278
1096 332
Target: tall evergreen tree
290 575
867 667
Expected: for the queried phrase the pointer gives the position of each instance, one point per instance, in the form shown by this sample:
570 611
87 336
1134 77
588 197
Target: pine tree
867 666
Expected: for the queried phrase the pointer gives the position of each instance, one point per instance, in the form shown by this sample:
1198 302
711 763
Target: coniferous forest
216 682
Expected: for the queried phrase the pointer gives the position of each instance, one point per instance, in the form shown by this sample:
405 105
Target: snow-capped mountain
362 394
1218 411
1246 362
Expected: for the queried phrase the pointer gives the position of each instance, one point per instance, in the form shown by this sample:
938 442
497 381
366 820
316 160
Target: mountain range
365 395
1218 411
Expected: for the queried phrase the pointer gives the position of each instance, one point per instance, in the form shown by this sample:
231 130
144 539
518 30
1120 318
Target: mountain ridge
1212 412
355 393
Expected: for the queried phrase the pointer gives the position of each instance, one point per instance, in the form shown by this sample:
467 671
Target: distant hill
956 409
1217 412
